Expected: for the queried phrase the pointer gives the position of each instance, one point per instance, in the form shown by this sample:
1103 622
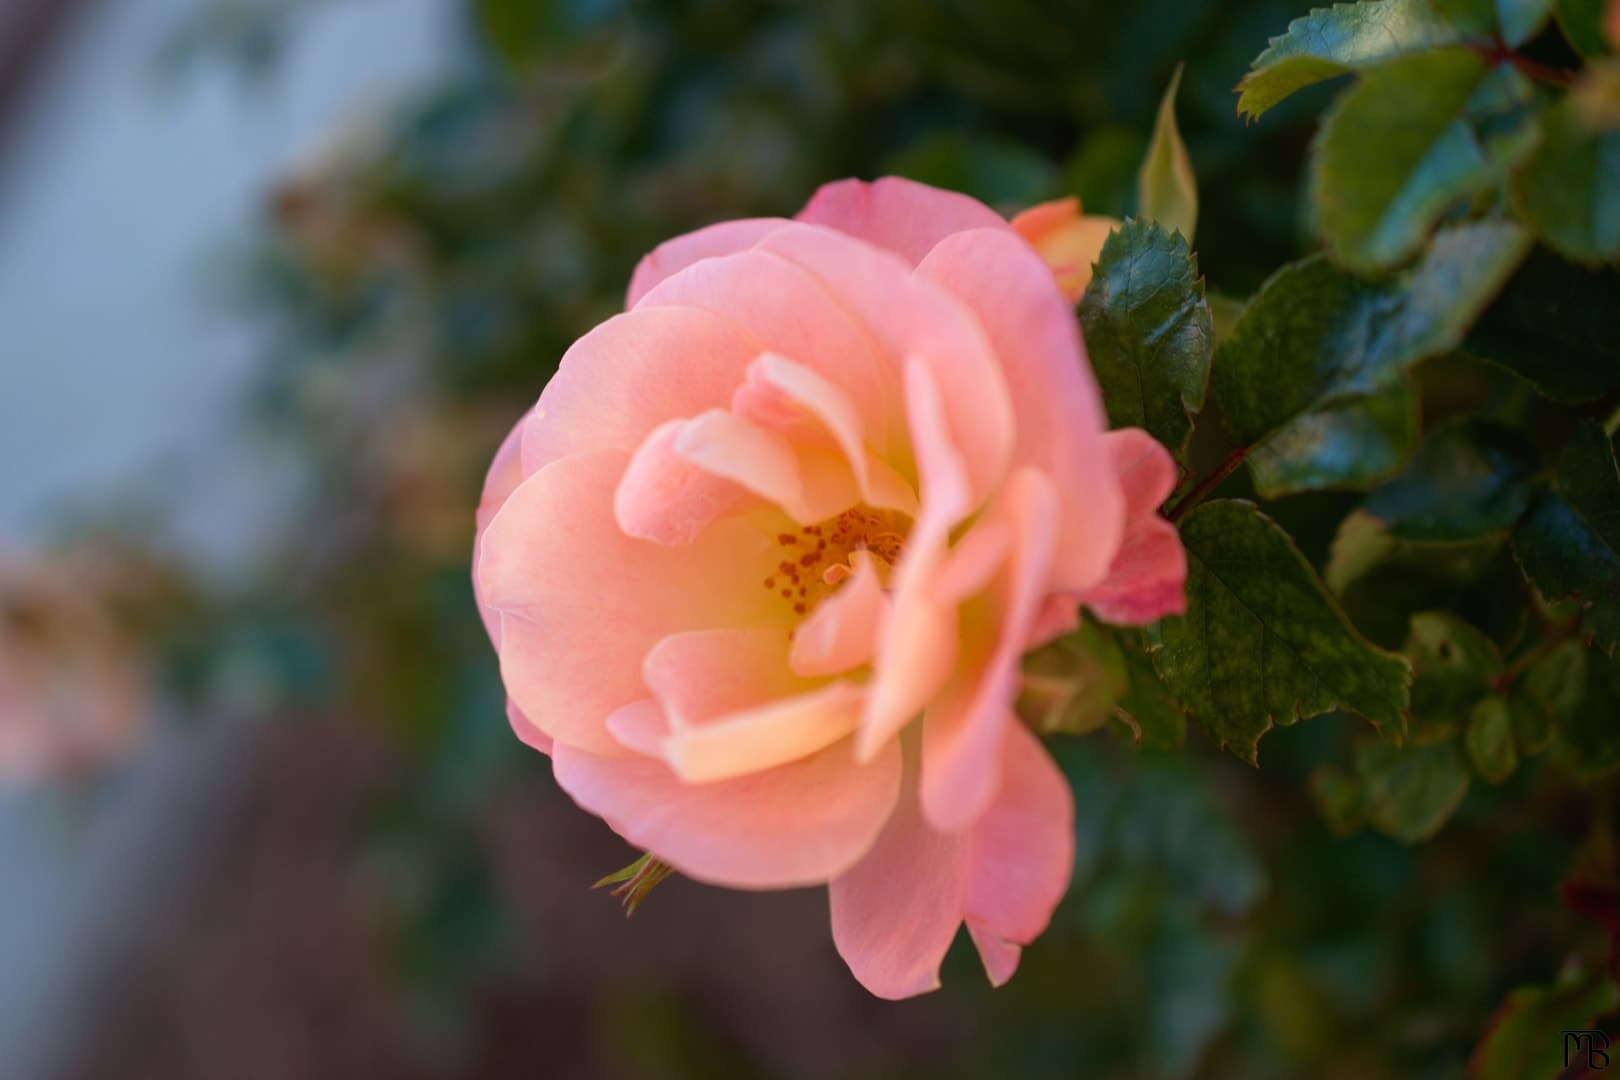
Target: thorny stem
1208 484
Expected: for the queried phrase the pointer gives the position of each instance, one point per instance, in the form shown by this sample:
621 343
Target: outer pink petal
915 319
630 374
785 309
1022 856
895 913
1148 578
1055 398
673 256
798 824
964 730
527 731
505 474
581 603
896 214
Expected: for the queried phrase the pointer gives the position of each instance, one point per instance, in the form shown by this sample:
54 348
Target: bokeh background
275 278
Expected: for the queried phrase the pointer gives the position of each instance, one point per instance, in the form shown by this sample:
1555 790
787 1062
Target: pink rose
73 690
762 563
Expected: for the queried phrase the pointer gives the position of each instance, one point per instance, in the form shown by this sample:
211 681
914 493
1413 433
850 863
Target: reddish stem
1530 69
1208 484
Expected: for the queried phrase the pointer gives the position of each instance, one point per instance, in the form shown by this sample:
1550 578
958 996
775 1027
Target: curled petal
1069 241
1148 577
842 632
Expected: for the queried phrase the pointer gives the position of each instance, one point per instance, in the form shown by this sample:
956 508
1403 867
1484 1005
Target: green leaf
1569 542
1153 718
1226 310
1167 190
1526 1036
1262 642
1410 791
1547 695
1582 23
1517 21
1337 796
1149 332
1553 326
1349 442
1453 667
1490 739
1415 138
1569 191
1343 38
1316 337
1071 685
1471 478
1587 742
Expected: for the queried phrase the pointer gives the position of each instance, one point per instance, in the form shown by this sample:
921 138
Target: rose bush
762 563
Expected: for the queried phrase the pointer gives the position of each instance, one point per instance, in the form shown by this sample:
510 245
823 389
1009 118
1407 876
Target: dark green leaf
1555 685
1349 442
1149 332
1316 336
1490 739
1071 685
1343 38
1453 666
1262 643
1413 139
1582 23
1569 190
1471 478
1167 191
1526 1037
1587 742
1153 718
1569 542
1337 796
1410 791
1553 326
1517 21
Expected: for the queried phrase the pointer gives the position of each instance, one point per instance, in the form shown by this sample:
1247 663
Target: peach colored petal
765 736
667 499
895 913
809 485
505 474
673 256
1022 856
913 318
640 726
797 824
897 214
842 632
789 397
963 730
1067 240
581 603
630 374
1148 578
525 730
785 309
698 675
918 648
1060 416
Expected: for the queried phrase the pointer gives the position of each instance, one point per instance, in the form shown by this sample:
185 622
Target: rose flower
762 563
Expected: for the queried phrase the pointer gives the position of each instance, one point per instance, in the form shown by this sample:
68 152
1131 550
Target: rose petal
673 256
667 499
897 214
581 603
797 824
1059 409
1148 577
842 632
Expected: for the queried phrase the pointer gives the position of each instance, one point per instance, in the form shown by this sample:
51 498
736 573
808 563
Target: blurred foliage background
420 277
